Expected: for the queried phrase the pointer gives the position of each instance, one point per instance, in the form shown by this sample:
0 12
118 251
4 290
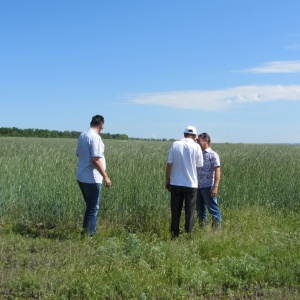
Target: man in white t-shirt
91 171
184 157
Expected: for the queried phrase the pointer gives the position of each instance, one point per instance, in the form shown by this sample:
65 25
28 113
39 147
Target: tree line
45 133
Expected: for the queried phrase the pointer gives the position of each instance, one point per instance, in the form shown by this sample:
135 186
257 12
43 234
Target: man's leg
190 206
91 195
201 209
177 197
212 206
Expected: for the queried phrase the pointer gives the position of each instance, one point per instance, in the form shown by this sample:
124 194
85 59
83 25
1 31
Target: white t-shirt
89 145
185 156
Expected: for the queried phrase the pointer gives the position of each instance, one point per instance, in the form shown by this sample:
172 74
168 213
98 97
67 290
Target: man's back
89 145
185 156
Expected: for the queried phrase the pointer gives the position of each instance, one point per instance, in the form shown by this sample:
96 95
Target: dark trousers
180 194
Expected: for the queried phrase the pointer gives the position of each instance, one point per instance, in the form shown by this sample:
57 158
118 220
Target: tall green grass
255 255
265 175
38 184
37 181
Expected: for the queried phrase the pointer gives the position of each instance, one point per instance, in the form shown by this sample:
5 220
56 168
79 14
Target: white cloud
292 66
215 100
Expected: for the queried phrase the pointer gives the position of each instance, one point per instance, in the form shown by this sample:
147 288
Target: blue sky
151 68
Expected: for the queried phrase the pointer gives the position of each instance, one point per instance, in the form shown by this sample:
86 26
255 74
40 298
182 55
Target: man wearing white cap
184 157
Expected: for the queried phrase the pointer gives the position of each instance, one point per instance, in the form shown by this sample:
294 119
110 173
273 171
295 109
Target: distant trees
45 133
114 136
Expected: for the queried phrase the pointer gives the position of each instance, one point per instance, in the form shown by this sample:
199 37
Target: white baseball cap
191 130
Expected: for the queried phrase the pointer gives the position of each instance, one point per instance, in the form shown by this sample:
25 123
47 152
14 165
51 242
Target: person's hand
214 191
107 182
168 186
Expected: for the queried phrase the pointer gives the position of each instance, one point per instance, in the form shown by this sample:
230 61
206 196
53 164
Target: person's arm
168 175
214 190
99 166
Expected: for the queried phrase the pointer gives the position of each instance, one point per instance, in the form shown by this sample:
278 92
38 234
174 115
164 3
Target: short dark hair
97 120
204 136
189 134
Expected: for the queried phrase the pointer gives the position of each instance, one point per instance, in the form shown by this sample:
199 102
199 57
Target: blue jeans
206 201
91 195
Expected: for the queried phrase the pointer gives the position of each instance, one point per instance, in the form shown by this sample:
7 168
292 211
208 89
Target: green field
42 256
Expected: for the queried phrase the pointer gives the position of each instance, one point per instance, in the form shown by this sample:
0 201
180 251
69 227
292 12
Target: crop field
256 255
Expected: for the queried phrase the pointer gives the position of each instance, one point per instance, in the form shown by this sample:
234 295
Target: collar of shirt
189 140
93 130
208 150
